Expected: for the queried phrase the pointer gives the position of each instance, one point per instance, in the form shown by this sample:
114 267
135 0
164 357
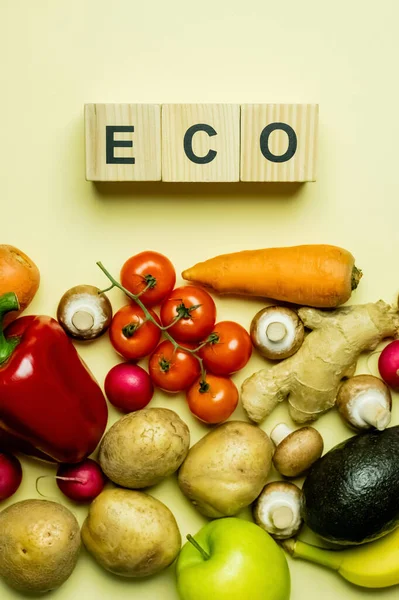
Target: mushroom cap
278 509
277 332
298 451
358 388
84 313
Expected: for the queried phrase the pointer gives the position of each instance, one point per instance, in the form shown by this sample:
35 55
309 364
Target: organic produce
311 378
374 565
189 313
278 509
365 402
351 494
18 274
150 275
213 400
10 475
315 275
143 447
84 313
296 451
82 482
128 387
132 335
227 349
51 406
39 545
232 559
173 369
388 365
277 332
227 469
130 533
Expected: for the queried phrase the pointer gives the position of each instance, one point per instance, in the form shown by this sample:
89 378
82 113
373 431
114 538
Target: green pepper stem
8 303
196 545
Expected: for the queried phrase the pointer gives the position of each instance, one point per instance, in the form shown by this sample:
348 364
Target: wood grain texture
303 118
146 138
225 120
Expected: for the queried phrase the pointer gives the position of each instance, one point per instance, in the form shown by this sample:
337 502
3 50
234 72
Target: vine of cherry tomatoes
198 354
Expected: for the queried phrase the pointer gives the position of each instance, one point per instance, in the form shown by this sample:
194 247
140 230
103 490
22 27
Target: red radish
388 365
10 475
128 387
81 482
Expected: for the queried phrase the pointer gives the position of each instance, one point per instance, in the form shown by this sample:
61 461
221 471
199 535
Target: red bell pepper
50 404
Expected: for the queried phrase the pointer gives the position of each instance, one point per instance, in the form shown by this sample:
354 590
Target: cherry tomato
173 370
197 312
228 348
212 401
130 335
149 269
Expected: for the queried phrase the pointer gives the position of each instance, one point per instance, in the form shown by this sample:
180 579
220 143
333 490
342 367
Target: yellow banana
372 565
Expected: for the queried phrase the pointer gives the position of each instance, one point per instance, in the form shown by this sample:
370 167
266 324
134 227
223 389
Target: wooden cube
200 142
278 142
123 142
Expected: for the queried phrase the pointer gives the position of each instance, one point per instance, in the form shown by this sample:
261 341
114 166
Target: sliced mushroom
296 450
84 313
278 509
364 402
277 332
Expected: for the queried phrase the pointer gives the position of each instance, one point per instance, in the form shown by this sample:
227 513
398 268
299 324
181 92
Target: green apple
232 559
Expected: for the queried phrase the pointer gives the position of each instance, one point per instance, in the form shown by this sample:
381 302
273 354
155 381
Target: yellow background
57 55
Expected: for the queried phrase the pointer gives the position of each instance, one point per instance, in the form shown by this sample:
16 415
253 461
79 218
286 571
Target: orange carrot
322 276
19 274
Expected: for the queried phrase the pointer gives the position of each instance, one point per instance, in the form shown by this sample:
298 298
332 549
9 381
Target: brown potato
227 469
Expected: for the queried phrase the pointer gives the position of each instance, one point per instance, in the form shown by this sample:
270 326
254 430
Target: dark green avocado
351 494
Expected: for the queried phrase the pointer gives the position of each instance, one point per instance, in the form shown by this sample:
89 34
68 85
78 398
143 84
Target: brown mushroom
84 313
364 402
295 451
277 332
278 509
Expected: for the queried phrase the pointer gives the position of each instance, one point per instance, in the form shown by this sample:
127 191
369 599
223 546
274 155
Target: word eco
201 142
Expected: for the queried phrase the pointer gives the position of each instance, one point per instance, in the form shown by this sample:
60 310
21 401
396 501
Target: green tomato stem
196 545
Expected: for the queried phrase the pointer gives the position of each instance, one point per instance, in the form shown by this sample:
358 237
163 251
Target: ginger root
310 379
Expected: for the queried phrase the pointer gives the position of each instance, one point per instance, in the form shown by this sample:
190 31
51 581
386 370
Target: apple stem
198 547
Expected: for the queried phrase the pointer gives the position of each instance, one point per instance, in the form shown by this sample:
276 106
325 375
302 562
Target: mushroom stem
279 433
373 412
281 517
82 320
276 331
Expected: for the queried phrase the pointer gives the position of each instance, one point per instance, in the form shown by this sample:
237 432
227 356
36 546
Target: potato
39 545
227 469
130 533
143 447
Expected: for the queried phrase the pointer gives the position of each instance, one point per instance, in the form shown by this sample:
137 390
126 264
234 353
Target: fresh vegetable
51 406
128 387
173 369
18 274
131 335
144 447
84 313
82 482
226 561
314 275
130 533
39 545
278 509
149 274
351 494
277 332
227 469
388 365
374 565
189 312
296 451
311 378
365 402
10 475
228 349
213 400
